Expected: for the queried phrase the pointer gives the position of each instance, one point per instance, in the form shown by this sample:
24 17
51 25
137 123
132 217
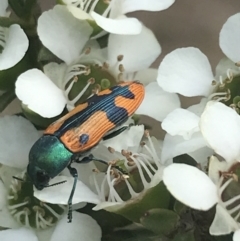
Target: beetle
72 137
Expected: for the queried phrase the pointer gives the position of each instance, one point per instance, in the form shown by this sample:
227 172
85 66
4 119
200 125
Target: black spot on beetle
83 139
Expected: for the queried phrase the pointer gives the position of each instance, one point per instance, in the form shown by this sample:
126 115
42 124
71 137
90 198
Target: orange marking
131 105
104 92
57 124
124 83
96 127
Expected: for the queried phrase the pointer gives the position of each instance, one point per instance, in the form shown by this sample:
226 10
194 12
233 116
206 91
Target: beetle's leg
117 132
74 174
90 157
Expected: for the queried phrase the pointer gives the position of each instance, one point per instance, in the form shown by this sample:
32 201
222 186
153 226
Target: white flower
230 45
217 128
220 127
187 71
14 42
113 19
124 153
195 189
126 58
42 93
18 208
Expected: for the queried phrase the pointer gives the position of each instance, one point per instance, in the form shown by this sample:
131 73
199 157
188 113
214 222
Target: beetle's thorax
47 157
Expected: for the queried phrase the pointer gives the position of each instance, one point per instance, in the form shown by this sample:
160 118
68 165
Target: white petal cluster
19 134
13 41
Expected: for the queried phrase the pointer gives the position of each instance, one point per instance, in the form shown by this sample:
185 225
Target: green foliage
160 221
107 220
38 120
23 8
9 76
185 159
6 98
185 236
155 197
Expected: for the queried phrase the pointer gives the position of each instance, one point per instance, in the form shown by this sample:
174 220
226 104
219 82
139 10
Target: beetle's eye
42 177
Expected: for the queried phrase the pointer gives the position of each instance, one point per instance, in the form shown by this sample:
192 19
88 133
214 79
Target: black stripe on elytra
117 115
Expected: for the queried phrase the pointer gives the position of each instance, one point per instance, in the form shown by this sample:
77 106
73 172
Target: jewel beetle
72 137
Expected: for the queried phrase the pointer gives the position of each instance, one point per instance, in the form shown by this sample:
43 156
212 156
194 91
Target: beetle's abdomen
83 127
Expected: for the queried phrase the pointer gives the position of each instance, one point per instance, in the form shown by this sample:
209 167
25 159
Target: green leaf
45 56
23 8
6 99
186 159
7 22
179 207
107 221
38 120
139 234
9 76
103 41
185 236
155 197
160 221
224 237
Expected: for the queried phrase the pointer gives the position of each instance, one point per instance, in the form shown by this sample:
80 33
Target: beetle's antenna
54 184
19 179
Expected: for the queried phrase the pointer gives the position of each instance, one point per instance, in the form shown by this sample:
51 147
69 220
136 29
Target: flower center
86 78
2 38
28 210
102 7
99 6
228 91
229 191
138 170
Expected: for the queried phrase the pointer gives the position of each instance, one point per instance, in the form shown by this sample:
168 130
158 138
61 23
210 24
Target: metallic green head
47 158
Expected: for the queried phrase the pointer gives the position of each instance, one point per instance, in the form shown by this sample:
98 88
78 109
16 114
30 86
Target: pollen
139 169
28 210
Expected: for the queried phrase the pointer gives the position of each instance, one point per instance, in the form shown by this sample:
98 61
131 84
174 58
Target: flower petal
186 71
78 13
3 195
177 145
220 126
3 7
15 48
6 219
236 235
56 72
64 41
60 194
39 93
190 186
225 67
139 51
216 167
83 227
230 38
18 234
146 76
181 122
127 139
120 25
17 136
44 234
202 155
147 5
223 223
7 173
155 94
198 108
109 206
